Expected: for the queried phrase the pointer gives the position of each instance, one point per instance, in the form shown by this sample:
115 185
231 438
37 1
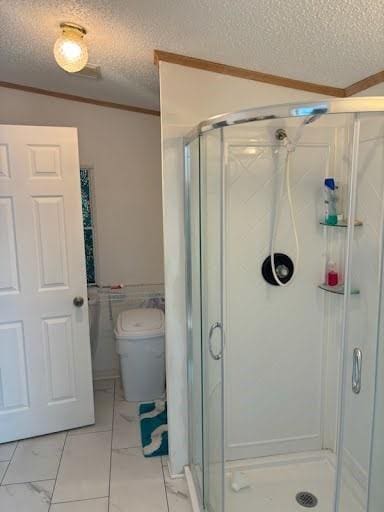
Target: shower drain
306 499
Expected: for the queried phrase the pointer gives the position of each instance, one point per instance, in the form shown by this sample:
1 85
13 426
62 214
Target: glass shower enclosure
286 353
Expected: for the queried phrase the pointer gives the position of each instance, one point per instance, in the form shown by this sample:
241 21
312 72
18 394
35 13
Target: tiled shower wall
275 336
284 345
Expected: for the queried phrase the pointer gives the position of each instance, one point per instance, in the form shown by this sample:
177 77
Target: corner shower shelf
338 290
340 224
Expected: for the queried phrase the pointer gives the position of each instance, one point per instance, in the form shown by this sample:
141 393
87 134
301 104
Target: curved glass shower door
193 255
303 372
203 172
211 211
363 330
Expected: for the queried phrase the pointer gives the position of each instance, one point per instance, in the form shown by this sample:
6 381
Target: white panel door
45 358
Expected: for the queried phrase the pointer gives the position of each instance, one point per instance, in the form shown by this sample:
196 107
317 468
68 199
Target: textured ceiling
333 42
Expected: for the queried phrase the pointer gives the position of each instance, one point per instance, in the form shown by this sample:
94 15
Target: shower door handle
216 325
356 370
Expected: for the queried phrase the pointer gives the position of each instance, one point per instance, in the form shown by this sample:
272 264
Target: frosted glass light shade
70 50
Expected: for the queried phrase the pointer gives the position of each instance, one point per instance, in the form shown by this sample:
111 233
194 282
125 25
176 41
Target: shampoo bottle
330 201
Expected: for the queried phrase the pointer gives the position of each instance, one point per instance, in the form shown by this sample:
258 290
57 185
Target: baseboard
173 475
105 374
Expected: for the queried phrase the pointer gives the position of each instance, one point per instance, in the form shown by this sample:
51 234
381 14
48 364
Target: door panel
13 389
362 313
9 279
59 358
44 161
195 375
212 331
4 162
45 363
51 241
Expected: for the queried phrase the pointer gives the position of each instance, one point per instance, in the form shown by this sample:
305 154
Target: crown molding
247 74
257 76
80 99
215 67
364 84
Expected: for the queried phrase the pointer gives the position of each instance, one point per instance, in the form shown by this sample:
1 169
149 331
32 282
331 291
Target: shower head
314 115
281 134
312 119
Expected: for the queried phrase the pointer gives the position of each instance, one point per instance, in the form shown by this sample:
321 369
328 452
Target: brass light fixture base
73 26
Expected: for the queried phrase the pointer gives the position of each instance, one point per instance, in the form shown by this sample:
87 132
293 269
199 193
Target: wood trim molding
247 74
80 99
257 76
215 67
364 84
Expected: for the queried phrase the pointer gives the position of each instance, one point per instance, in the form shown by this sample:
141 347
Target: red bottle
332 275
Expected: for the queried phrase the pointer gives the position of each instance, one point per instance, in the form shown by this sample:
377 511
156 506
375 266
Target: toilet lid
140 323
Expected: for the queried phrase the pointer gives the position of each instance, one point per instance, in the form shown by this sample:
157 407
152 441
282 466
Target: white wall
124 150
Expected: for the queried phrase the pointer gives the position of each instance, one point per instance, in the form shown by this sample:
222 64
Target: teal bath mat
154 428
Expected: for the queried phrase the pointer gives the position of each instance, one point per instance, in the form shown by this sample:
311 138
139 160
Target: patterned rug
154 428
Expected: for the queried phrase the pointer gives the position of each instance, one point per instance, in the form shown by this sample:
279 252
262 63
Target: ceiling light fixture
70 50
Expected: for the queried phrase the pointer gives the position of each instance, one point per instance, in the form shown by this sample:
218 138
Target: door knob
78 301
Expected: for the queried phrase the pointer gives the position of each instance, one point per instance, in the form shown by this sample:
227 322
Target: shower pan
286 383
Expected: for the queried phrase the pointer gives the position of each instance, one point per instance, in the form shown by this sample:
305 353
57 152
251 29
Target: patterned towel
154 428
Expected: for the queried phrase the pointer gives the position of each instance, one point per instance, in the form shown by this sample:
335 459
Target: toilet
140 344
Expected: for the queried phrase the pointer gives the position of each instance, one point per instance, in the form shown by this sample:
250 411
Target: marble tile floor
99 468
